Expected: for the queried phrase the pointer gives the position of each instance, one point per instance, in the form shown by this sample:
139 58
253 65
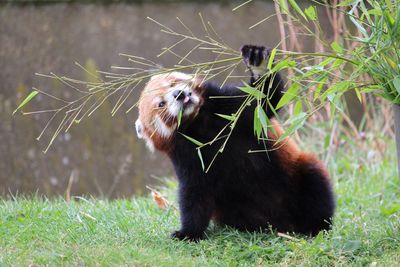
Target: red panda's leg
196 208
315 201
256 59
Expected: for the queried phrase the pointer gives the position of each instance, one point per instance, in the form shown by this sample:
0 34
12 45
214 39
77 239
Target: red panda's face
166 99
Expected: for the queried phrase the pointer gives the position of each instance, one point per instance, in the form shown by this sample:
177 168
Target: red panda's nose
178 94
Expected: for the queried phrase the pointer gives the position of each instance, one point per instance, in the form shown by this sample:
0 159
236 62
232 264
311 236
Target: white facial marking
195 99
161 127
174 106
139 128
142 135
156 100
149 143
188 111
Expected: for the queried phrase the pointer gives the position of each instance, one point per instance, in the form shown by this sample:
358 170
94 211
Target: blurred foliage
40 2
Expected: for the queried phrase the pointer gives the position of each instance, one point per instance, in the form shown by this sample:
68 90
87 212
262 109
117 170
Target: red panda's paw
254 55
180 235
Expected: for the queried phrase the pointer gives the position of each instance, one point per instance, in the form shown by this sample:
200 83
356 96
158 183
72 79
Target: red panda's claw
179 235
254 55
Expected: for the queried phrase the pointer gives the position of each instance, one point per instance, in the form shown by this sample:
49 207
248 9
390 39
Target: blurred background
101 153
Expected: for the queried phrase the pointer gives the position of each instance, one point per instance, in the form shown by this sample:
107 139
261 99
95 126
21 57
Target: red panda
285 189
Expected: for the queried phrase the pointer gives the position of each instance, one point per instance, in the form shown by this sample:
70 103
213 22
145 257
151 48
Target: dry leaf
159 199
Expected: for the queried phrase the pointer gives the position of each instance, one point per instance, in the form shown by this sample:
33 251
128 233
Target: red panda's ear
139 128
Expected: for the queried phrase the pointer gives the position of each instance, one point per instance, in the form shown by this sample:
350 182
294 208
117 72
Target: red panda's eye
161 104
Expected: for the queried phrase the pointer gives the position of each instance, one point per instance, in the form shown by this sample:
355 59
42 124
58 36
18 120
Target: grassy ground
135 232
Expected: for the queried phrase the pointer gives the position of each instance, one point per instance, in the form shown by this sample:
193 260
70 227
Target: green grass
134 232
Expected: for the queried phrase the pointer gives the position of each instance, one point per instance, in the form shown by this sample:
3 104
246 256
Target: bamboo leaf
298 107
358 94
284 64
389 18
375 12
297 8
180 117
283 6
26 100
338 62
311 13
201 158
289 95
194 141
358 25
253 91
271 58
337 47
296 122
346 3
257 124
262 116
227 117
321 80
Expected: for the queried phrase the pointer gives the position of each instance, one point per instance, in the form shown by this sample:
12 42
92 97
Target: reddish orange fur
289 153
158 86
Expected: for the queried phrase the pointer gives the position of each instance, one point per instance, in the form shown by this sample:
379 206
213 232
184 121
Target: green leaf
339 87
311 13
390 62
337 47
201 158
297 8
284 64
337 63
284 7
298 107
26 100
326 61
389 4
391 210
296 121
271 58
257 124
327 140
289 95
346 3
180 117
396 83
253 91
194 141
358 25
262 116
321 83
227 117
358 94
389 18
387 96
375 12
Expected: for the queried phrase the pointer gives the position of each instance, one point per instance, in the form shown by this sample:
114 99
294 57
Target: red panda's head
166 98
